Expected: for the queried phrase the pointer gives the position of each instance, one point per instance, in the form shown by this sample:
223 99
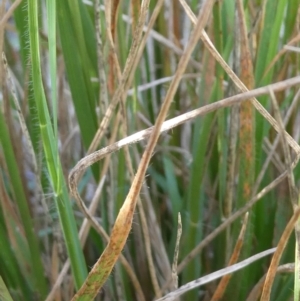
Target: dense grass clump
149 150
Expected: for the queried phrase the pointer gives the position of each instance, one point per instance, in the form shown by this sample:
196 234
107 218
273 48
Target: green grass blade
268 44
195 199
51 153
10 269
51 11
79 74
4 293
35 254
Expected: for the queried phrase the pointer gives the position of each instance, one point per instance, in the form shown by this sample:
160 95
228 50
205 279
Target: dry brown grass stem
113 245
176 252
273 148
151 23
231 167
247 113
143 219
257 289
9 13
85 227
123 222
239 84
216 275
82 236
103 93
129 204
276 257
144 225
293 41
219 292
124 78
230 220
286 150
2 10
129 165
89 160
161 81
117 96
165 42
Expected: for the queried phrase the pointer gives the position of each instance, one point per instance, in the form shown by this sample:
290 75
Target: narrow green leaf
51 154
36 263
4 293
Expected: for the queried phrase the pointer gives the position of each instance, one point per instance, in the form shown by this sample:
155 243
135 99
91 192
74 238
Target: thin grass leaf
215 275
51 11
51 154
35 253
276 257
122 226
4 293
78 74
13 274
218 294
80 65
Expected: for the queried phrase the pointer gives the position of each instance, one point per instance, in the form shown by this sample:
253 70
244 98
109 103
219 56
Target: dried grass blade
257 289
292 188
234 257
239 84
176 251
230 220
9 12
213 276
276 257
121 229
247 132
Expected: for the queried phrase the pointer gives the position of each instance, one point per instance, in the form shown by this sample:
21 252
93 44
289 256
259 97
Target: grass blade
51 154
